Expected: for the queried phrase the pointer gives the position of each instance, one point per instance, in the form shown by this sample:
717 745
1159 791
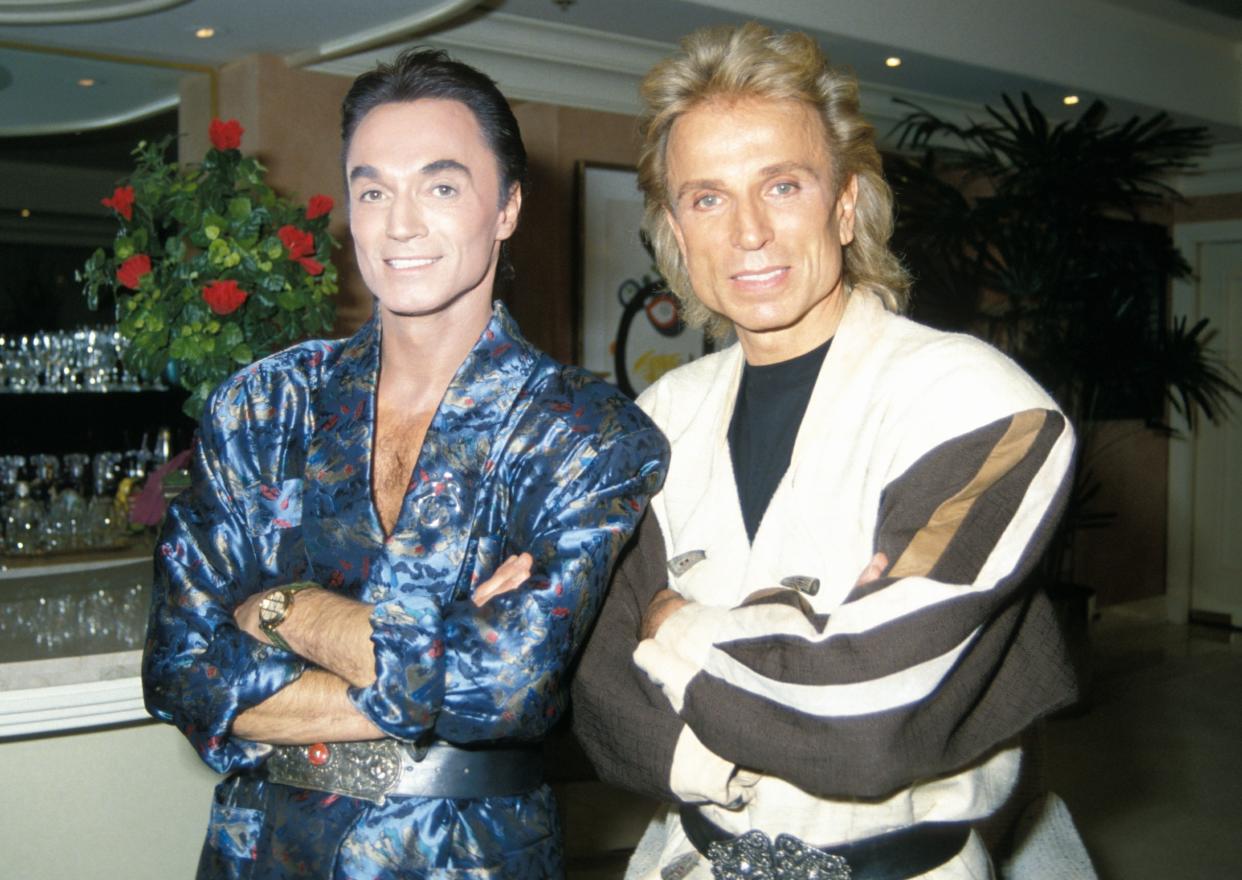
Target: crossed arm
484 667
667 602
918 672
334 633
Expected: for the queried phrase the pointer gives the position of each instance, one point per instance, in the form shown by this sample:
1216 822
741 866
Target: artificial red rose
122 201
300 244
224 297
131 271
225 134
318 206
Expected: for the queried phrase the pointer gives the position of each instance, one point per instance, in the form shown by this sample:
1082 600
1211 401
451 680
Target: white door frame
1185 300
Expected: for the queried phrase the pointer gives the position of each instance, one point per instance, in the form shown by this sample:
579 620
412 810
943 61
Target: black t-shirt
771 401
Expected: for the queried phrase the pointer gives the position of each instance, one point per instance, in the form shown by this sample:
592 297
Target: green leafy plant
1034 236
211 268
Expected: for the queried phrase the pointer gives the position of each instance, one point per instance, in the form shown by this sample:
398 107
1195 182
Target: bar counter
71 632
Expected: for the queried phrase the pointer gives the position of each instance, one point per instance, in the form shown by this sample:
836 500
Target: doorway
1205 465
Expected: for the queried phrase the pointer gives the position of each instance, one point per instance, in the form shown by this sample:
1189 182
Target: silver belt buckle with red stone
367 770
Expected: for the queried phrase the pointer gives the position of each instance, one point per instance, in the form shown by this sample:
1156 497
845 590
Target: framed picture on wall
629 328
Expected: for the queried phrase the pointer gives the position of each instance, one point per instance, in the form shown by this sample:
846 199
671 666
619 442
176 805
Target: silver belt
379 769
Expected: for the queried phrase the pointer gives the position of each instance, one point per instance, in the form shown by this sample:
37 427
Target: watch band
277 639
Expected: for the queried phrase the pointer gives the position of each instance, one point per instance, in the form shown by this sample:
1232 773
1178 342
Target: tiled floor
1152 768
1150 765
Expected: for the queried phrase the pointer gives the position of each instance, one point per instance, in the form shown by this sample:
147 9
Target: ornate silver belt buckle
367 770
753 856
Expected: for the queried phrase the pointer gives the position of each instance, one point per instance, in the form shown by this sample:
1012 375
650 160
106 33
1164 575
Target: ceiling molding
1092 46
142 111
534 60
78 11
555 63
383 35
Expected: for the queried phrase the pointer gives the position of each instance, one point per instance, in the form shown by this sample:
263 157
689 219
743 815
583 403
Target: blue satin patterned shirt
523 454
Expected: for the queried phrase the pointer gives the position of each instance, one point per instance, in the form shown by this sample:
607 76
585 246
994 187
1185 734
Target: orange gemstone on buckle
318 754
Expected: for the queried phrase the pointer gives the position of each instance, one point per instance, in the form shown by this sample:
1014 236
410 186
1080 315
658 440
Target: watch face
273 608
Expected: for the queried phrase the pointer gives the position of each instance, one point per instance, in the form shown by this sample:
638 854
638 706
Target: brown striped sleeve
624 723
956 652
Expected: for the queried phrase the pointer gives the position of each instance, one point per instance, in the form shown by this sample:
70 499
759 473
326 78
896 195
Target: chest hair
398 442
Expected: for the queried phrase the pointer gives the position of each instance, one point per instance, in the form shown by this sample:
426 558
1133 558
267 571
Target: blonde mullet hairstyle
750 61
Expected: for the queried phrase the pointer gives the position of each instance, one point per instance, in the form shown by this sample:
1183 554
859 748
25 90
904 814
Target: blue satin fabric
523 454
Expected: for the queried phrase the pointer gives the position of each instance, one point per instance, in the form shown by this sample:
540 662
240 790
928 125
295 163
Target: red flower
224 297
131 271
122 201
300 243
318 206
225 134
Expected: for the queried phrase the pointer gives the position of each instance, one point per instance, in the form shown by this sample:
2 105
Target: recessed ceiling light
205 33
25 212
86 82
892 61
1069 100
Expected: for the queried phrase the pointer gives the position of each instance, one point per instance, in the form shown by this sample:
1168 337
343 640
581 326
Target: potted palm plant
1035 236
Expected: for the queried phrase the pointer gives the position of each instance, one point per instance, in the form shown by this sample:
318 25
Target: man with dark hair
366 604
822 648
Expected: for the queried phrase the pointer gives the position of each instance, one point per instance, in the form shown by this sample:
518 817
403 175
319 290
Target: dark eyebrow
446 165
370 172
366 171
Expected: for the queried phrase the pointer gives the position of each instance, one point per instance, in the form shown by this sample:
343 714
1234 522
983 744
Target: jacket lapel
344 538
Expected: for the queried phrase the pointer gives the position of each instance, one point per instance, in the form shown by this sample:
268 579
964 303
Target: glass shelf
74 606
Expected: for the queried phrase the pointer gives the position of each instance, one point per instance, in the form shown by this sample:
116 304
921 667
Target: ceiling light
892 61
1069 100
86 82
205 33
25 212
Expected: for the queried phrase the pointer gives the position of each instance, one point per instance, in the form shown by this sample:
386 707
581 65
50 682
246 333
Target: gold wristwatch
274 608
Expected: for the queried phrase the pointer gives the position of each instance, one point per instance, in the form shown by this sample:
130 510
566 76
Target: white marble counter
72 693
71 633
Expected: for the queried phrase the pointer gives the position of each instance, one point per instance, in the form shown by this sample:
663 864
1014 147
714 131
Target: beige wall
131 802
1125 560
1203 209
557 138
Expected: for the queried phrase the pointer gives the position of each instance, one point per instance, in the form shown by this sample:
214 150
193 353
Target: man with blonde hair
821 648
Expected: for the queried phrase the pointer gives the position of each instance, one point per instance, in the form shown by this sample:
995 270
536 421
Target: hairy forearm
315 708
334 633
331 631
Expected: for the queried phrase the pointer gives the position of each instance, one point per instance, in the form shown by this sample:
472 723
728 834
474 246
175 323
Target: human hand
510 575
247 617
875 568
663 604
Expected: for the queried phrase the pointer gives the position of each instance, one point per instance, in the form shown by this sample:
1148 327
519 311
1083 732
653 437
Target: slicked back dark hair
430 73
